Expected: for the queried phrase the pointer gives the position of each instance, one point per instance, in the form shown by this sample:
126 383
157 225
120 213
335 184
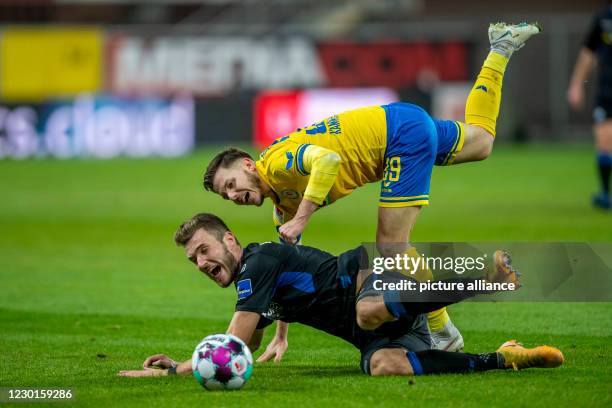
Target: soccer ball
222 362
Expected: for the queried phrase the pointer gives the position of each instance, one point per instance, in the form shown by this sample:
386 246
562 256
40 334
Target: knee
484 144
367 316
383 364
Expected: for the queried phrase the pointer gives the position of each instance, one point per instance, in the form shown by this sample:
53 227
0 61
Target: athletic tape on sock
417 369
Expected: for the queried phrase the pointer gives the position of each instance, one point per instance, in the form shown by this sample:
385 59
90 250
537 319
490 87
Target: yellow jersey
358 136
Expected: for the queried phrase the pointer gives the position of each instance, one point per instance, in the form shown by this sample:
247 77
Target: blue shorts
415 143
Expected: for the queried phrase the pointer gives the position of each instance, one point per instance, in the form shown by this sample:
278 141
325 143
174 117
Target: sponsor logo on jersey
290 194
244 289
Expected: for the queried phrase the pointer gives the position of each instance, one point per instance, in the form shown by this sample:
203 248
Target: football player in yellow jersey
397 144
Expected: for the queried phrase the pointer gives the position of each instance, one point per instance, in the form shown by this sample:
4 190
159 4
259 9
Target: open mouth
214 272
246 198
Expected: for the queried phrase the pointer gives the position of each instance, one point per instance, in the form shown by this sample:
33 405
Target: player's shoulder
280 160
260 262
305 250
266 248
265 252
282 144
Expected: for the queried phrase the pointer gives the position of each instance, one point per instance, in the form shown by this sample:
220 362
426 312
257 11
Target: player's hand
148 372
291 230
154 366
159 361
575 97
276 349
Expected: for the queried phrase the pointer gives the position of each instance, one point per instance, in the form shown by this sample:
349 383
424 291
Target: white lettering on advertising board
208 66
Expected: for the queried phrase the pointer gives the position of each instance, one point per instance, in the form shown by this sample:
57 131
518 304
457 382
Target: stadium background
110 110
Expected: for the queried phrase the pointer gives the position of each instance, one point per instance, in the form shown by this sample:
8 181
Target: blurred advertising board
98 126
212 66
396 64
277 113
41 63
448 100
209 65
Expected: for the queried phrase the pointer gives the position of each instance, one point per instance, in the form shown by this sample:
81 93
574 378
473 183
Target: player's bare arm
159 365
322 164
278 345
243 325
291 230
584 66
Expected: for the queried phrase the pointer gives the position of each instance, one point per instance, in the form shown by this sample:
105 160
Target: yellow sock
437 319
422 272
482 106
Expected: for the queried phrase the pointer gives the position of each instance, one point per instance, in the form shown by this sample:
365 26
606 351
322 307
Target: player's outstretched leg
404 304
448 338
510 355
375 307
482 106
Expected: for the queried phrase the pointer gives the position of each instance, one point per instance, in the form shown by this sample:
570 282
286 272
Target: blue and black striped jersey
300 284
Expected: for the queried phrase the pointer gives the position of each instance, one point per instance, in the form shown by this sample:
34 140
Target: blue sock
394 305
604 164
438 362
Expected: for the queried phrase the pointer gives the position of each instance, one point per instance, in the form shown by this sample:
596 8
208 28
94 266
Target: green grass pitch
92 283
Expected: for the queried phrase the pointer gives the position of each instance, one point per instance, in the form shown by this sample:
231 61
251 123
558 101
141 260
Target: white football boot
507 38
447 339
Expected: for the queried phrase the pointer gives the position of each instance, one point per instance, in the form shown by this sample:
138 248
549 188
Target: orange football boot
503 271
519 357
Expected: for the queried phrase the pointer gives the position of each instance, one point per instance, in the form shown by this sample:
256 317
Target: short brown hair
208 222
223 159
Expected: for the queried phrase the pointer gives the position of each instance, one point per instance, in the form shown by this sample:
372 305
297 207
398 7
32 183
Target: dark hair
224 159
208 222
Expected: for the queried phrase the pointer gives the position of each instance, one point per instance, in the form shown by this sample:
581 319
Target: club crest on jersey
290 194
244 289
